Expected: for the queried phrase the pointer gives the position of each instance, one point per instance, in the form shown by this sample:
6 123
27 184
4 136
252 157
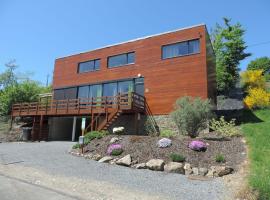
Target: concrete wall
60 128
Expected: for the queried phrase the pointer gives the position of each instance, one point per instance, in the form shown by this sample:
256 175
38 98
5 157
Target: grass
219 158
177 157
257 132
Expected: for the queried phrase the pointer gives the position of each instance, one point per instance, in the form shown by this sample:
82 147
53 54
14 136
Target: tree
229 47
8 77
262 63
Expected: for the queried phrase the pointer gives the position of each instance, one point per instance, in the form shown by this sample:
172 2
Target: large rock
118 130
125 161
105 159
195 171
164 142
188 169
174 167
140 166
114 140
155 164
203 171
96 157
218 171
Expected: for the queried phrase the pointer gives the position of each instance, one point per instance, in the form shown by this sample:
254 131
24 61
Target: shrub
253 78
220 158
117 152
257 98
76 146
197 145
177 157
93 135
224 128
167 133
191 115
150 128
114 148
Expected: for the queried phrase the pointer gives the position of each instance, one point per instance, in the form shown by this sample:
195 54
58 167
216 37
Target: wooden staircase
109 119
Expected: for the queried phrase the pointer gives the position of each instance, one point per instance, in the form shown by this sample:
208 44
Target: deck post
40 127
74 128
136 116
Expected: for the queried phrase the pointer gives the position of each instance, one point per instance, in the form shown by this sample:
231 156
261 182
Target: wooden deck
128 102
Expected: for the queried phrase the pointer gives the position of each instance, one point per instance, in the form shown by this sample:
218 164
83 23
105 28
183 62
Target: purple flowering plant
197 145
114 147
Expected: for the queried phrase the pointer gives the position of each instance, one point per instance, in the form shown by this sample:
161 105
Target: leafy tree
262 63
229 47
8 77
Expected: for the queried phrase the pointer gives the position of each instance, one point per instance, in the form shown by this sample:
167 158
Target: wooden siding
165 80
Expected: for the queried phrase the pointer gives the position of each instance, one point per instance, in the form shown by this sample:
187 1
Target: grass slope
256 128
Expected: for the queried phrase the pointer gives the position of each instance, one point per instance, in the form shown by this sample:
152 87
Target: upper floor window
122 59
89 66
181 49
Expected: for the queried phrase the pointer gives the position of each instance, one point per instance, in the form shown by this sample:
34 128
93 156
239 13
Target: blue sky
36 32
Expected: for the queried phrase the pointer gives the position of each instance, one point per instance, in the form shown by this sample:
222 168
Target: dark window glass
70 93
180 49
83 92
59 94
91 65
125 86
139 86
122 59
110 89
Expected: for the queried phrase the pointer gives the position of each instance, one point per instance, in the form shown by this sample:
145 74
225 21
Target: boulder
113 161
105 159
155 164
174 167
164 142
218 171
203 171
188 169
125 161
141 166
96 157
195 171
114 140
118 130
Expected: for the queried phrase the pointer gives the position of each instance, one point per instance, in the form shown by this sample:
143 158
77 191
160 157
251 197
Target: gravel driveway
48 164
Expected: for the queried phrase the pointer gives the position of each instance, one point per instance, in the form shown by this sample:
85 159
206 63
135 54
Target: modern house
125 83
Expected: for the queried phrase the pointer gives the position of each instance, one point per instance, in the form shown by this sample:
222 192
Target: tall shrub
191 115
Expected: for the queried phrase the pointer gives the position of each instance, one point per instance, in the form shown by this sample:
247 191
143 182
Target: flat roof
133 40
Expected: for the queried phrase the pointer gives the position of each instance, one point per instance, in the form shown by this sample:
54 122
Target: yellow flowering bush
257 98
253 79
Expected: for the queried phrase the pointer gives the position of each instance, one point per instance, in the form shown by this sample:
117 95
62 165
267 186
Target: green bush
177 157
93 135
76 146
117 152
220 158
224 128
191 115
167 133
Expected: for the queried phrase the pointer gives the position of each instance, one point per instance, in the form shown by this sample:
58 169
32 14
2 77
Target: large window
125 86
181 49
122 59
89 66
65 93
110 89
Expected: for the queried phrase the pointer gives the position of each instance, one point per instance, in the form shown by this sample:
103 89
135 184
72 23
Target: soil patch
144 148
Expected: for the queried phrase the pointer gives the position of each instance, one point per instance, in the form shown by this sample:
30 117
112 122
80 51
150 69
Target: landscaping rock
174 167
118 130
188 169
105 159
197 145
195 171
164 142
96 157
113 161
114 140
125 161
155 164
141 166
203 171
218 171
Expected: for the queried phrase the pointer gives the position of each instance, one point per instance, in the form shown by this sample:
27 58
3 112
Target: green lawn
256 127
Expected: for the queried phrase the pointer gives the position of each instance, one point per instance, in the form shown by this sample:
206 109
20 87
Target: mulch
144 148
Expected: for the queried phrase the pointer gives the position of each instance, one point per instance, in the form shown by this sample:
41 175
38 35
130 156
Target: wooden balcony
127 102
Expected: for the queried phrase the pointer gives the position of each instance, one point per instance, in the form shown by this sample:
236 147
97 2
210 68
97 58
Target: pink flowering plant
115 149
197 145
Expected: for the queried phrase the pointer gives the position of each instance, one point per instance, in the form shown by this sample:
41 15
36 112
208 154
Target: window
110 89
95 91
125 86
89 66
181 49
65 93
122 59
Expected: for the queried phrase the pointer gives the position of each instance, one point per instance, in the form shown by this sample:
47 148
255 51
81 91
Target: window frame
188 54
95 69
108 58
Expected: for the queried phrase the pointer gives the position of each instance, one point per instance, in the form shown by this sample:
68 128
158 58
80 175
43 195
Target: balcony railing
125 101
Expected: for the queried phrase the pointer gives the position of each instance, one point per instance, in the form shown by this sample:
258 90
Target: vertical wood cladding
165 80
